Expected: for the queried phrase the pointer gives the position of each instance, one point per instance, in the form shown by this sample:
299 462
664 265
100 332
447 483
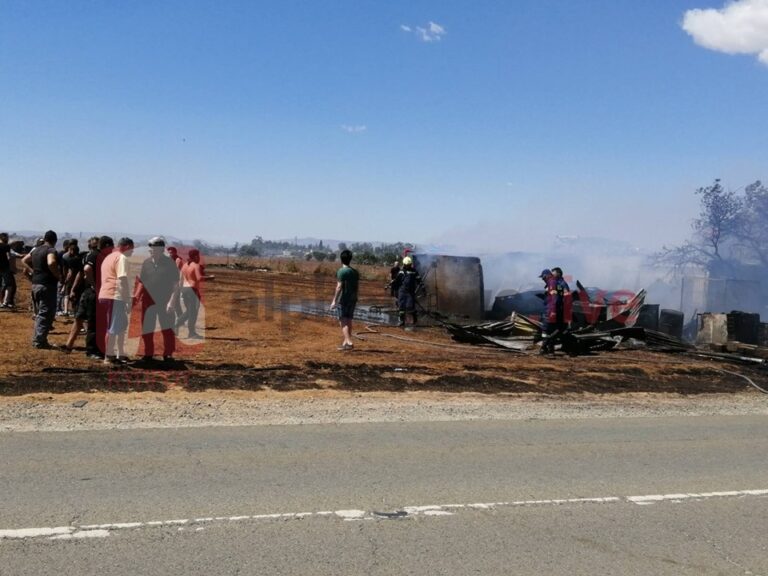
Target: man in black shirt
45 278
86 304
7 281
158 292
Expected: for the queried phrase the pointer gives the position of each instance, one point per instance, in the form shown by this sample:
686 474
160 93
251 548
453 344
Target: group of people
95 285
97 288
404 285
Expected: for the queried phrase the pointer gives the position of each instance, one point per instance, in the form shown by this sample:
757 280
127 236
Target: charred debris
626 322
602 320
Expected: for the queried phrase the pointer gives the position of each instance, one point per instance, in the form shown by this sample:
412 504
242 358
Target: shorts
117 315
346 310
86 306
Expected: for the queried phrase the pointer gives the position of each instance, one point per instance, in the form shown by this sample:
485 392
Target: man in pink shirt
115 298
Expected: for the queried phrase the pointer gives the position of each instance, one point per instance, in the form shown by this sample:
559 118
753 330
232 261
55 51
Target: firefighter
406 285
558 308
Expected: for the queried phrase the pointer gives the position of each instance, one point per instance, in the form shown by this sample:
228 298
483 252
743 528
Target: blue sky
487 125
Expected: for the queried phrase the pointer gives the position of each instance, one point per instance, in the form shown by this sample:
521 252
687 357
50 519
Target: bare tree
719 219
719 224
753 232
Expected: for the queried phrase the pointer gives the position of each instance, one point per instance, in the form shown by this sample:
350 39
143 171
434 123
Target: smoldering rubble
626 324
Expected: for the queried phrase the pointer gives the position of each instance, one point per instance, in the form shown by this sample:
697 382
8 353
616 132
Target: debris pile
521 334
623 323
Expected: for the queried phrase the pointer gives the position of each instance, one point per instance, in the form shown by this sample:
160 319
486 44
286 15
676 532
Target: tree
248 250
205 248
719 219
718 226
753 232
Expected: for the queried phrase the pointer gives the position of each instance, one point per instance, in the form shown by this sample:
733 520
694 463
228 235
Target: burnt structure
453 286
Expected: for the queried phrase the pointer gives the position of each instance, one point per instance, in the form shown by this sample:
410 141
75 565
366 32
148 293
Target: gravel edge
81 412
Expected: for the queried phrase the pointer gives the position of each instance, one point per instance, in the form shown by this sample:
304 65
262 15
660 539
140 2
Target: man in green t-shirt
345 297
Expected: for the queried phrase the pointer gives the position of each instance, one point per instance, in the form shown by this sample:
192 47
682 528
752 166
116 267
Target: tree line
365 252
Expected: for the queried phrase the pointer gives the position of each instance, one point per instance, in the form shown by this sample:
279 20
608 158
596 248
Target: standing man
45 278
558 308
7 279
63 272
114 300
191 291
345 298
86 306
173 252
563 301
72 277
406 285
393 273
157 290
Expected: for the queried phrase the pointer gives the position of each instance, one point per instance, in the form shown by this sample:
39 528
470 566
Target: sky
485 125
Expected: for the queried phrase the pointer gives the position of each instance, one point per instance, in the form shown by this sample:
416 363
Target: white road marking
653 498
82 534
104 530
350 514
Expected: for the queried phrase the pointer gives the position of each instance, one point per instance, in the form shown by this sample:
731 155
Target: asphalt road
610 496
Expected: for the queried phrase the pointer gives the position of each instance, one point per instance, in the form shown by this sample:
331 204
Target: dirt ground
252 344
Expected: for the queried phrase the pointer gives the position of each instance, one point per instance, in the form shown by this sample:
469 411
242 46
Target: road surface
677 495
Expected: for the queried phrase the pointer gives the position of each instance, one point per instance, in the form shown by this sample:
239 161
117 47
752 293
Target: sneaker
195 336
42 345
94 356
346 347
168 359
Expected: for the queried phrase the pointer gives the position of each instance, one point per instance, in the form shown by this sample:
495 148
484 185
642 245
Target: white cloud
432 32
355 129
740 27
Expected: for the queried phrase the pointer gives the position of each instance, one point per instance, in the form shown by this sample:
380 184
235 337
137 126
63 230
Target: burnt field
254 341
